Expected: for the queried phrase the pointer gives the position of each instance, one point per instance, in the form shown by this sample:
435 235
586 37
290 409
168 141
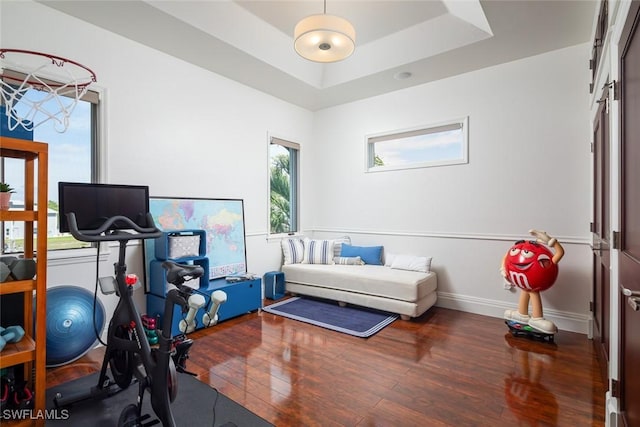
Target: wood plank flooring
447 368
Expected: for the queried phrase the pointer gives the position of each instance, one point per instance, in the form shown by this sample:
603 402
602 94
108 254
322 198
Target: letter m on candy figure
519 280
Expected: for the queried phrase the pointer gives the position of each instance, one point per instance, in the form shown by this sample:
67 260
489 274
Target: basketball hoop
39 87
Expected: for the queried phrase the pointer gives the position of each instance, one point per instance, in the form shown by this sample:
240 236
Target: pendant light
324 38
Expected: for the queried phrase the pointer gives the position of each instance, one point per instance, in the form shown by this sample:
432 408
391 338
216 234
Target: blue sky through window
69 151
434 147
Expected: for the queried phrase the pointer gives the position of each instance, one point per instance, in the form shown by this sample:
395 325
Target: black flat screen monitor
93 204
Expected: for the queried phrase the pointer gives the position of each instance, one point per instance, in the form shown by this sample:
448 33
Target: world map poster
221 219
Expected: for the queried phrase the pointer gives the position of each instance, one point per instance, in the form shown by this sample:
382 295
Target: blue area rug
358 321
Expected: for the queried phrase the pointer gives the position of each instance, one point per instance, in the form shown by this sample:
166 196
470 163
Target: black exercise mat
195 406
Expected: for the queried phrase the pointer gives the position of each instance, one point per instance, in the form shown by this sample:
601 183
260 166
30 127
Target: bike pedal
181 355
7 390
179 338
183 348
4 395
23 398
187 343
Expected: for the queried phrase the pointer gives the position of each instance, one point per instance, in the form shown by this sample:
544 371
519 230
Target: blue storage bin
273 285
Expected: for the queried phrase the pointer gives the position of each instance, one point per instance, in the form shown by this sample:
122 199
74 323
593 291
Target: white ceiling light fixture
324 38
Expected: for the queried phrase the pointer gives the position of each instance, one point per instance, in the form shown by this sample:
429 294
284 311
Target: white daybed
405 292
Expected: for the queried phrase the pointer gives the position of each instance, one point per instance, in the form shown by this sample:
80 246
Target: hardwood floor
447 368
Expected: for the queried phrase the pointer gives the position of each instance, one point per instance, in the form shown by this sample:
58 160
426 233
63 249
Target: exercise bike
128 352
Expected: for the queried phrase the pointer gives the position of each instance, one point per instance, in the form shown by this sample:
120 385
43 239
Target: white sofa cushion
368 279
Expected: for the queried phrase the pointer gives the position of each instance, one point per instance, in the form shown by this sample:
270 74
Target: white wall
168 124
529 167
529 159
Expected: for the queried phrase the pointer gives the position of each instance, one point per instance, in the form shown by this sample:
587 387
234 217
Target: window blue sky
69 151
442 146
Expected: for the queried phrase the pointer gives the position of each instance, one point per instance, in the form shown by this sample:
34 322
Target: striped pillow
337 245
292 250
318 251
348 260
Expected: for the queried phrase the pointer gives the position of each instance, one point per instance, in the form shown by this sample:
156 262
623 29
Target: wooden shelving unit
31 350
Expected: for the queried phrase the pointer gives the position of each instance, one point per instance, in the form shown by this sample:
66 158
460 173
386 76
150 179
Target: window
435 145
283 186
73 156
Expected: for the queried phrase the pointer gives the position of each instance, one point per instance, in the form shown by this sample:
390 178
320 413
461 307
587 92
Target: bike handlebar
96 235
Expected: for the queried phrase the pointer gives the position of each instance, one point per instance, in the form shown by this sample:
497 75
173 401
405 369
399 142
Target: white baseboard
565 321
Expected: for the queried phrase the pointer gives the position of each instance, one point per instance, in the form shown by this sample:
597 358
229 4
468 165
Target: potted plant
5 195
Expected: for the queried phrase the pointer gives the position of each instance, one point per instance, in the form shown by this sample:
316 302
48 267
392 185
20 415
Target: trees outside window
283 185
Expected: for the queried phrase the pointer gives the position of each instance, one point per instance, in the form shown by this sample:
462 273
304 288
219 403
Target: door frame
613 49
601 230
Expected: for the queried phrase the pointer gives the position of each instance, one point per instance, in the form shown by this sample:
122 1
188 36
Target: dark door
630 219
601 257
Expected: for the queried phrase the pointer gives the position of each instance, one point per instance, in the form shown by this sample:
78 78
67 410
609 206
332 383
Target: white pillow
411 263
292 250
318 251
388 259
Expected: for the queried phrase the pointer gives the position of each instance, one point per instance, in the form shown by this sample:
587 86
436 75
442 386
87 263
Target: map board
221 219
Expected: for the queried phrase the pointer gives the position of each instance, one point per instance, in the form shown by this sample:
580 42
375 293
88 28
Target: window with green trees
283 186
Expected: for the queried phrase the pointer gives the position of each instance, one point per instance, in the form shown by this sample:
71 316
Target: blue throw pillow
369 254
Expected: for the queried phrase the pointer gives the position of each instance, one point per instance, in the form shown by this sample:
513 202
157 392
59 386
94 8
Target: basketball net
30 99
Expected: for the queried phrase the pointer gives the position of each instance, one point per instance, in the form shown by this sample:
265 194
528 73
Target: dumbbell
5 272
149 325
23 269
8 259
12 334
5 269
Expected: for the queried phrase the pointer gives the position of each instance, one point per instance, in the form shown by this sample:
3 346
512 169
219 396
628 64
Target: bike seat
177 274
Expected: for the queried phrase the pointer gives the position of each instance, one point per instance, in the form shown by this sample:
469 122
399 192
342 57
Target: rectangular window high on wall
73 157
426 146
283 186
